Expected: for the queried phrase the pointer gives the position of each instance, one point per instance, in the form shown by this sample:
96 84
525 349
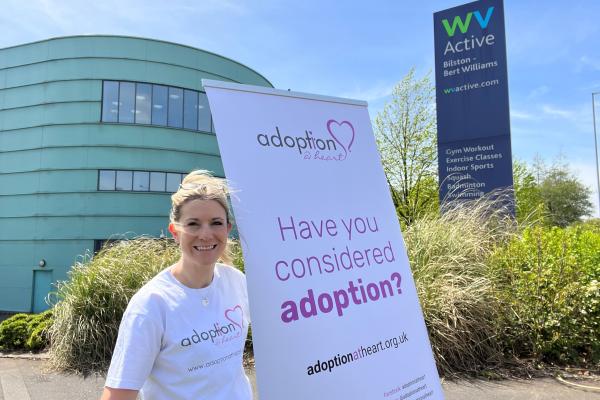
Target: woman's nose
203 232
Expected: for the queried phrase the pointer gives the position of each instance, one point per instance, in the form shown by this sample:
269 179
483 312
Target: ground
22 377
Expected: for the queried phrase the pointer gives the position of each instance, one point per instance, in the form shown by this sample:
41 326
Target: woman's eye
217 223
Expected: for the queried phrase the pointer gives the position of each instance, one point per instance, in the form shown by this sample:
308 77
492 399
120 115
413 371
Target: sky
360 50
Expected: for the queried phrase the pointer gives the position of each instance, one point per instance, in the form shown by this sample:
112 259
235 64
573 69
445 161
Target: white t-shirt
180 343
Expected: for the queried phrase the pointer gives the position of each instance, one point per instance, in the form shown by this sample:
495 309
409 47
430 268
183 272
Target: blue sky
360 49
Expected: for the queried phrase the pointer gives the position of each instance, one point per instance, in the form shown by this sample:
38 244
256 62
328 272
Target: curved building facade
96 132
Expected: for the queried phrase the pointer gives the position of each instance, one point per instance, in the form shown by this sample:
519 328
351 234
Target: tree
529 201
551 194
406 136
566 198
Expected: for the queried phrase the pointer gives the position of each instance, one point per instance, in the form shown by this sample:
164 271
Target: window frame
198 93
133 172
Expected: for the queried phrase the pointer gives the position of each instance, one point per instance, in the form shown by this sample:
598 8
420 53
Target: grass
91 304
449 258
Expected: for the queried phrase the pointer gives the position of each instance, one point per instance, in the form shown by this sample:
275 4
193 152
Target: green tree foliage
406 136
529 201
566 198
551 194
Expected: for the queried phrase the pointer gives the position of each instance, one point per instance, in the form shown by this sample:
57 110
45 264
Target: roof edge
141 38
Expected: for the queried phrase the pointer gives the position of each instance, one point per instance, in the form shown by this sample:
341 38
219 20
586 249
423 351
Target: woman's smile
205 247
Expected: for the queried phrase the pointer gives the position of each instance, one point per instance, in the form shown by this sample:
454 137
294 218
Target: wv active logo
463 25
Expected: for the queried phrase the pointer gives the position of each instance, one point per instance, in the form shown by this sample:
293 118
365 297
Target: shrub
236 255
13 332
449 258
592 224
238 262
25 331
37 331
551 283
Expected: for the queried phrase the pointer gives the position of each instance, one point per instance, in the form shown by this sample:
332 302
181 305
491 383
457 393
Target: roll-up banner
473 119
335 312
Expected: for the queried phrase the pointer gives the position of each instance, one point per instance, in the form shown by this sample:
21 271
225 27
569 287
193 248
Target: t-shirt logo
220 332
236 316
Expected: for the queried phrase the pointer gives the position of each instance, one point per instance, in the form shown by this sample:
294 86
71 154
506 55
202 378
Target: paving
26 379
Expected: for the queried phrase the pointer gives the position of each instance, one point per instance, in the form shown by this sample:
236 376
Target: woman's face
201 232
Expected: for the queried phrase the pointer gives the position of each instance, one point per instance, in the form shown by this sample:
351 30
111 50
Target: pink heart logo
234 315
341 132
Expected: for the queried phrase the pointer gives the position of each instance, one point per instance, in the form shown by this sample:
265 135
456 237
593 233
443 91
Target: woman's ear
174 232
229 228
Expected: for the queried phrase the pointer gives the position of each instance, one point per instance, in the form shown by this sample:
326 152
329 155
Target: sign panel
335 313
472 100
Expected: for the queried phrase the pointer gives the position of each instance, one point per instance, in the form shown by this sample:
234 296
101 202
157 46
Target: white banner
335 313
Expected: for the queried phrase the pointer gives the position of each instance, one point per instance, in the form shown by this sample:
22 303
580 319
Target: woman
182 335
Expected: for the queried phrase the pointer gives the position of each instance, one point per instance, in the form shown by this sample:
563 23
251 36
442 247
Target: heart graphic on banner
341 132
236 316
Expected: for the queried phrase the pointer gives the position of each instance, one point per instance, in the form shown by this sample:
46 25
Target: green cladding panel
53 145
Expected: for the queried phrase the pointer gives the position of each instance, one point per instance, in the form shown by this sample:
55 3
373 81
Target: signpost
474 149
335 313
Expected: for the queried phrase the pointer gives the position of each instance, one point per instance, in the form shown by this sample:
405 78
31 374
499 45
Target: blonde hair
202 185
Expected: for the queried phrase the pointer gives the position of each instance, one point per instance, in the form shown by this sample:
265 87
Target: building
95 134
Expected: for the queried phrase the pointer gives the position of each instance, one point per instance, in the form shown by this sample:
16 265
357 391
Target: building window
149 104
159 105
110 101
175 107
126 102
143 100
106 180
173 181
204 118
139 181
190 109
124 180
157 182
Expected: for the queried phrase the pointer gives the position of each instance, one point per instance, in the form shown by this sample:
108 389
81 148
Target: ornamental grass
91 303
449 256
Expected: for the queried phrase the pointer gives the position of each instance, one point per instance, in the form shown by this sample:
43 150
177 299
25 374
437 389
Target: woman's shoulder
231 275
153 291
230 271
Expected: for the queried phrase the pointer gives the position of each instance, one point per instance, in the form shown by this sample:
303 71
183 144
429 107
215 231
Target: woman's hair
202 185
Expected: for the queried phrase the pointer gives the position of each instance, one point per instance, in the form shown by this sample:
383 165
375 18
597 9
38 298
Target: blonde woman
182 335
